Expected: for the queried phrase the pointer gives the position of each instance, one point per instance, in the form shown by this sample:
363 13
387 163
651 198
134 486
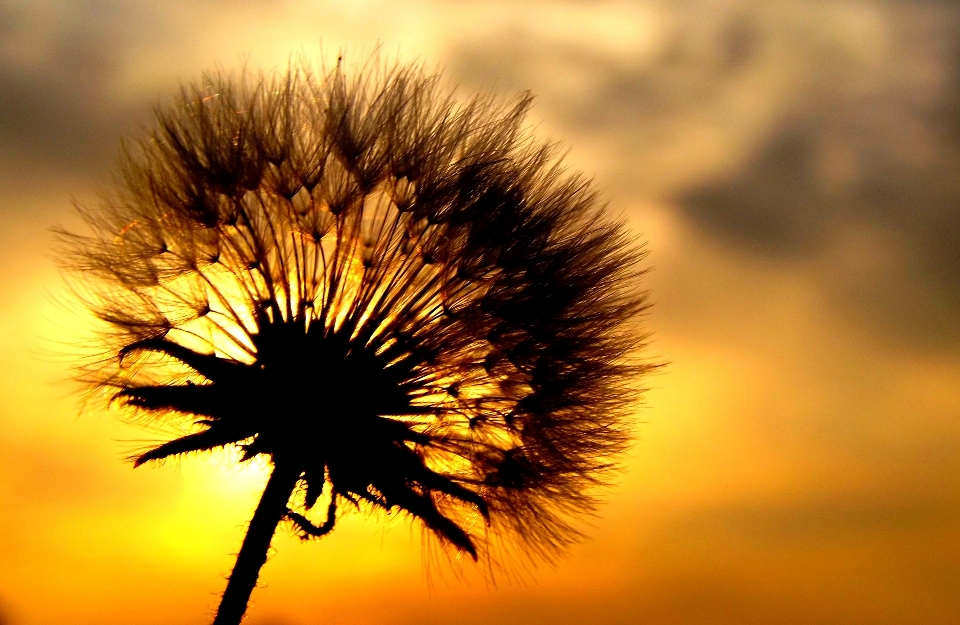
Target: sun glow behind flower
797 460
456 337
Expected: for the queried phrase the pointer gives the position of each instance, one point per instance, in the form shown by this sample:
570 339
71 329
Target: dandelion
403 302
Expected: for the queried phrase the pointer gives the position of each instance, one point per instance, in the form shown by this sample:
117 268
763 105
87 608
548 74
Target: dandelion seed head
405 296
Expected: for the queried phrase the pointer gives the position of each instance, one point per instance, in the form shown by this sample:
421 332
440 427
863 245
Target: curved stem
253 553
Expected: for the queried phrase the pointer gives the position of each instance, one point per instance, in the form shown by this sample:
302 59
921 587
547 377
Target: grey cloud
59 66
46 118
880 150
859 124
839 138
774 203
685 71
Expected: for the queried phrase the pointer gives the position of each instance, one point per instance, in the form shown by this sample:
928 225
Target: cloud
62 106
871 143
781 128
48 106
824 133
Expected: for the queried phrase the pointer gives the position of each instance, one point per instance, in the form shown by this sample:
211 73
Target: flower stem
253 553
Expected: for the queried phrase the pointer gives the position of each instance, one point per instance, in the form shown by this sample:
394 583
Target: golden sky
795 167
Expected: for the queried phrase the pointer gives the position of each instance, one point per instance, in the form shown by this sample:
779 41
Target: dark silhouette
405 303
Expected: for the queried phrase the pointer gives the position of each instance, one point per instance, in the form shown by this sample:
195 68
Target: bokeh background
795 167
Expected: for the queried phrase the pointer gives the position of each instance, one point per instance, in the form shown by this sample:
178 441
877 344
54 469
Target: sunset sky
795 169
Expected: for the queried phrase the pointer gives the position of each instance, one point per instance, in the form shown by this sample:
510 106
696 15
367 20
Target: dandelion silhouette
403 302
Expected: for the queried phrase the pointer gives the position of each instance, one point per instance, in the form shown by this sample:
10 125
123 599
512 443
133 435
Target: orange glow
794 462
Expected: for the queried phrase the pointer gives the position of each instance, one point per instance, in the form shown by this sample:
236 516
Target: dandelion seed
403 302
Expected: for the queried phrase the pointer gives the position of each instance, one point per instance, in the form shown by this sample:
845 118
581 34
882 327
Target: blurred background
795 168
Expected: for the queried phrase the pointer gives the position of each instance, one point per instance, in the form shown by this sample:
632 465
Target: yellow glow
791 466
